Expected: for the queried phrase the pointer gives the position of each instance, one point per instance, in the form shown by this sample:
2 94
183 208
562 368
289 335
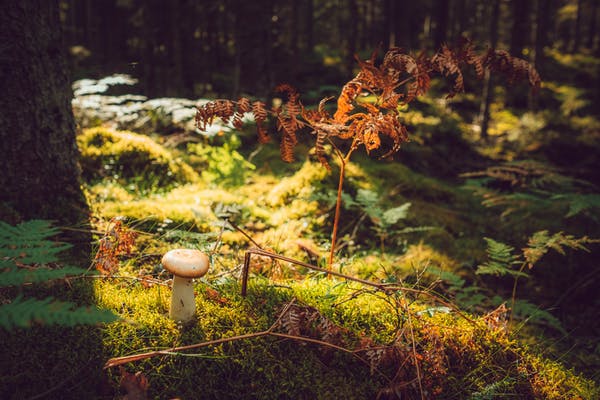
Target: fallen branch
384 287
118 361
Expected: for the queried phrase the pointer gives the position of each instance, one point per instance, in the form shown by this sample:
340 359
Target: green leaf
20 276
28 242
23 313
541 242
393 215
501 260
533 313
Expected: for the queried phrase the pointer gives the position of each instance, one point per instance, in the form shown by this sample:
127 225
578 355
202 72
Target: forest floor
489 243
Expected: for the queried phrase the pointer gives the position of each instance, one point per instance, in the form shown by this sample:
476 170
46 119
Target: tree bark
40 174
488 89
441 23
520 27
577 34
351 36
592 30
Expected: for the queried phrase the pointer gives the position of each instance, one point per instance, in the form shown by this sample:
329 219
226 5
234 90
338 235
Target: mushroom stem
183 304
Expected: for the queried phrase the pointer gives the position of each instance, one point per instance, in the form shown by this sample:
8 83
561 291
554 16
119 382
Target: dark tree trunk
252 33
406 25
310 36
40 174
351 36
577 34
538 42
488 89
520 27
592 30
441 23
388 23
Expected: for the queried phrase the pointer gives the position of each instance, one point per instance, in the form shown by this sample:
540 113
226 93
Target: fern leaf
367 198
495 390
23 313
29 242
579 203
20 276
541 242
525 310
393 215
501 260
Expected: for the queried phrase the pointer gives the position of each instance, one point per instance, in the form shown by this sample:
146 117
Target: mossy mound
134 161
458 358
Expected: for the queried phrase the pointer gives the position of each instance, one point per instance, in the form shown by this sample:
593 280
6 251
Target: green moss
133 160
459 358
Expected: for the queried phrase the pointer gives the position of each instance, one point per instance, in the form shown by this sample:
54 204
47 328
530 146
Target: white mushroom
185 264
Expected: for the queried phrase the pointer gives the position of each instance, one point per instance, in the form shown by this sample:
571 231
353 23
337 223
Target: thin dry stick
116 361
386 288
414 349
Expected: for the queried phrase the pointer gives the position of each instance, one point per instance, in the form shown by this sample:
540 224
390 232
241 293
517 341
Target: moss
133 160
459 358
300 185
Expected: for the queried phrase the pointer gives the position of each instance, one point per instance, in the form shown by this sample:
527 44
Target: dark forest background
215 48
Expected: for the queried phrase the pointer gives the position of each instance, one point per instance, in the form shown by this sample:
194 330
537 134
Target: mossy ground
172 198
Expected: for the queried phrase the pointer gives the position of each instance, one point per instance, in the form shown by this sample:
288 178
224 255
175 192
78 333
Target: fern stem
338 204
514 295
336 219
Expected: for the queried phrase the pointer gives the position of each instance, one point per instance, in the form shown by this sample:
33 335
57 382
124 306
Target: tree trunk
577 34
40 174
351 36
441 23
592 30
310 37
488 89
538 42
520 27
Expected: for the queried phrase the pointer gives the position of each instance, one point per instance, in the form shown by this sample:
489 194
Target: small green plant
525 187
504 262
384 221
224 164
28 256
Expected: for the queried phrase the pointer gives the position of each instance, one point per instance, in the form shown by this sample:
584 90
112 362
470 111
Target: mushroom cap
186 263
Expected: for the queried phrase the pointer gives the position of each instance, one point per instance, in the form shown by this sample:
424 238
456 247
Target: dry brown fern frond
514 68
260 113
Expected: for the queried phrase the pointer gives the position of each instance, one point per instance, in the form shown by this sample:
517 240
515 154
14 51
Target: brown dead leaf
215 296
136 385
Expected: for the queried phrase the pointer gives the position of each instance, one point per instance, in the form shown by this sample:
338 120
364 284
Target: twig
240 230
113 362
176 351
116 361
386 288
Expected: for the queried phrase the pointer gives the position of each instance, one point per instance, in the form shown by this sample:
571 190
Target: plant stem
336 219
514 295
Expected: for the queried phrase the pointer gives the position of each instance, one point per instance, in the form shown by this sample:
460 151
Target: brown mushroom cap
186 263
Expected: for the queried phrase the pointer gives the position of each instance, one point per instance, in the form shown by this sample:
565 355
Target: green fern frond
525 310
24 313
368 201
541 242
579 203
495 390
29 242
26 251
501 260
19 276
393 215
